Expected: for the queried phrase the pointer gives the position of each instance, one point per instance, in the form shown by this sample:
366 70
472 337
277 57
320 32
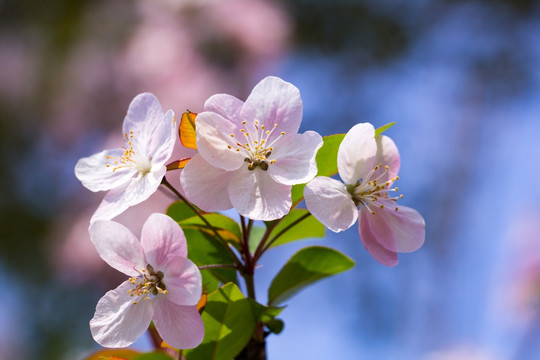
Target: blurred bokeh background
461 79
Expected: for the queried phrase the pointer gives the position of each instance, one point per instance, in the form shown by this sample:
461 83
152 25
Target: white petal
162 140
183 281
295 159
143 118
256 195
387 154
95 175
117 246
118 200
225 105
206 185
328 200
274 101
162 240
179 326
117 322
214 139
356 154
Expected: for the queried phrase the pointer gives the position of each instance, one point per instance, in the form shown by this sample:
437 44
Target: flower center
257 148
148 285
370 193
130 158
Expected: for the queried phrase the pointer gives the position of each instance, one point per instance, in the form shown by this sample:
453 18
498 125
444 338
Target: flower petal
371 243
328 200
356 154
163 240
183 281
214 139
256 195
162 140
136 191
387 154
206 185
117 246
274 101
225 105
295 159
144 117
95 175
117 322
179 326
401 231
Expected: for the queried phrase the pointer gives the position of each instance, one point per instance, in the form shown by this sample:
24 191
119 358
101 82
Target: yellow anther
275 125
237 149
229 146
134 303
262 127
267 132
165 292
396 209
283 133
272 161
243 123
386 167
382 206
373 213
231 135
401 196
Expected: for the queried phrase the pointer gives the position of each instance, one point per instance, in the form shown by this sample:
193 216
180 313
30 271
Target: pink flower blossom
368 166
250 154
164 286
134 172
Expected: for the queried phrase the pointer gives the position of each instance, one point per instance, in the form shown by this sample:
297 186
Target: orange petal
178 164
187 133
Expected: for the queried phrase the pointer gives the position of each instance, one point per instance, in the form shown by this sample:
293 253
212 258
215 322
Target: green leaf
114 354
228 323
304 268
179 211
275 326
156 355
255 237
383 128
264 313
326 163
307 228
205 249
225 226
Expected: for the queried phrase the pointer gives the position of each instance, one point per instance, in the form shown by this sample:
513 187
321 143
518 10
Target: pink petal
274 101
95 175
179 326
214 139
356 154
183 281
225 105
387 154
295 159
117 246
206 185
400 231
328 200
256 195
136 191
371 243
163 240
117 322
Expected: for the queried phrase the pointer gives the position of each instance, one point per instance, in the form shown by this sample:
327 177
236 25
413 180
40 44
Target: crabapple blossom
368 167
250 153
164 286
131 173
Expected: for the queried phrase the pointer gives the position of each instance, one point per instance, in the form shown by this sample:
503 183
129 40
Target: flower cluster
247 156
